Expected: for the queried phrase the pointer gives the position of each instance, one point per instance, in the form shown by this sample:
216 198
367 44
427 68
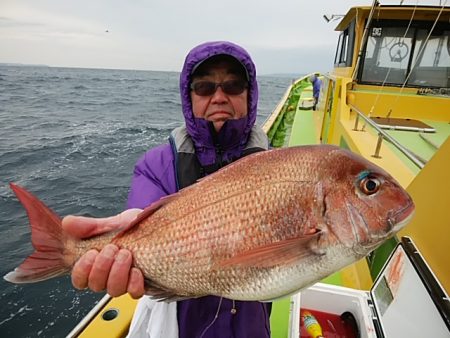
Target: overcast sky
283 36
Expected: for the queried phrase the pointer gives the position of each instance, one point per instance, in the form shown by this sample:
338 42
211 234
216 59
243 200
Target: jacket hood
234 134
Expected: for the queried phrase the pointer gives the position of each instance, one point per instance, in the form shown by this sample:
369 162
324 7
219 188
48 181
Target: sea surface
71 136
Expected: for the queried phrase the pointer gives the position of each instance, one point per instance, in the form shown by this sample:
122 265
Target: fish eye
369 185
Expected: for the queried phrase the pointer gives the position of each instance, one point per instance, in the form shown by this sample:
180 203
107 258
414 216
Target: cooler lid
408 299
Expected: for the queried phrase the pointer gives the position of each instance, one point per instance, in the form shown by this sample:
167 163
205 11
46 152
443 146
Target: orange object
311 324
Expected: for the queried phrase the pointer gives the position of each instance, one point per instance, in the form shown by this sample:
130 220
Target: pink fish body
263 227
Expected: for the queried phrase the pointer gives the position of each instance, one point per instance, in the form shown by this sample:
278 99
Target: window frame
344 50
415 28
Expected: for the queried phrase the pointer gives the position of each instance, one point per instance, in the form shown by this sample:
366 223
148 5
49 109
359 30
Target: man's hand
110 268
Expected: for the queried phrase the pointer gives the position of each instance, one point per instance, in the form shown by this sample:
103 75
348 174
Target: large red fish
263 227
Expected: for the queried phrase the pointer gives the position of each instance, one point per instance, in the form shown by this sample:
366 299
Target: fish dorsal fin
284 252
146 213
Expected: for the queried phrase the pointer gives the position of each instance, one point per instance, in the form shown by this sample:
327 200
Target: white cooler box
406 300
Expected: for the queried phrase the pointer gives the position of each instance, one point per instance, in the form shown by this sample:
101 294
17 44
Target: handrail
89 317
267 124
382 134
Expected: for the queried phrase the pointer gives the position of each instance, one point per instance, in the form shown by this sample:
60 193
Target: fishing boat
388 99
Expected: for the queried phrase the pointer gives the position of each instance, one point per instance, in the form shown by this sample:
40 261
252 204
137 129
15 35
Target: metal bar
355 128
378 148
412 157
89 317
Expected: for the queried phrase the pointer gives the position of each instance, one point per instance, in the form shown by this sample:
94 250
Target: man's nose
219 95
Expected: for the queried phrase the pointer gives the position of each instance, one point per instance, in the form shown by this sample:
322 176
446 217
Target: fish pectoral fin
147 212
160 293
284 252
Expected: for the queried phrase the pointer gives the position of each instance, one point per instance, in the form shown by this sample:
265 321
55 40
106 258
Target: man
219 96
316 82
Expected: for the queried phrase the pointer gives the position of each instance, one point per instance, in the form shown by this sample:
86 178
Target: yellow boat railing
89 317
383 135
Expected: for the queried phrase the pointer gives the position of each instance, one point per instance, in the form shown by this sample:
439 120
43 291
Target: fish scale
220 231
263 227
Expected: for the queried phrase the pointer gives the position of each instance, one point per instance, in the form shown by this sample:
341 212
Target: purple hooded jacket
154 177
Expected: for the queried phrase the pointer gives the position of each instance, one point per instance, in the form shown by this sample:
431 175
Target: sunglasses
208 88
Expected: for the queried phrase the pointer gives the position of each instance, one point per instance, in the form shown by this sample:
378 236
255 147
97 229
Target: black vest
189 169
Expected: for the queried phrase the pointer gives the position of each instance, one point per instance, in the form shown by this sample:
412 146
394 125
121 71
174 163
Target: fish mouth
395 222
401 217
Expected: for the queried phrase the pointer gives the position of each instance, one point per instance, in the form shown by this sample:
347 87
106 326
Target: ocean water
71 136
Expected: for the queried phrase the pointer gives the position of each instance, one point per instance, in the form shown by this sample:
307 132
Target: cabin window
341 42
432 60
395 55
344 51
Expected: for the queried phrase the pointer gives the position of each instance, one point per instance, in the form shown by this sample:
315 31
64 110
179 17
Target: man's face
219 106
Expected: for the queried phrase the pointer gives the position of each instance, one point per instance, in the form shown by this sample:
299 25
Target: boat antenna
333 17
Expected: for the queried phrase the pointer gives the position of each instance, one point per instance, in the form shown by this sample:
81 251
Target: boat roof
396 12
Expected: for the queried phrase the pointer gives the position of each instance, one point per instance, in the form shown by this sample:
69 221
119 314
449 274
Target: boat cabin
406 46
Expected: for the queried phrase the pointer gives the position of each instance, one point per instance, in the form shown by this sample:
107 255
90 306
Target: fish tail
49 258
